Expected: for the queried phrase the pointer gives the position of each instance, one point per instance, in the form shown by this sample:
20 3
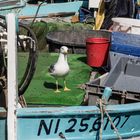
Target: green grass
41 89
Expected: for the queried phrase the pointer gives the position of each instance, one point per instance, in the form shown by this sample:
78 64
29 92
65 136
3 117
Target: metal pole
12 76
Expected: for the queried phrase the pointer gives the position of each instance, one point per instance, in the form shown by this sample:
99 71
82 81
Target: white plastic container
93 4
128 25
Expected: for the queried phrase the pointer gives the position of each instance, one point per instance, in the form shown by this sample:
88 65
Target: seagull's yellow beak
66 52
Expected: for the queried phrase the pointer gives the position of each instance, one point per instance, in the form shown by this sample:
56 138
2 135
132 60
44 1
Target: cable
32 48
31 64
37 13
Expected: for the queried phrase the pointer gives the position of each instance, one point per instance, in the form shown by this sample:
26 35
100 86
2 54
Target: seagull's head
64 50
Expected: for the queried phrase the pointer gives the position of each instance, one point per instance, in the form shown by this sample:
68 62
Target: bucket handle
126 30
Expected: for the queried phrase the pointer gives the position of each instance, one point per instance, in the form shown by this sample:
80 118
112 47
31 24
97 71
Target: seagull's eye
62 49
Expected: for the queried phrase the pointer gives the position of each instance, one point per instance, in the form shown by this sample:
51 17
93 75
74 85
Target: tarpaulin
118 8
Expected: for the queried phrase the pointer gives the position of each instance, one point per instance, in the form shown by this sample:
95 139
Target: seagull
61 68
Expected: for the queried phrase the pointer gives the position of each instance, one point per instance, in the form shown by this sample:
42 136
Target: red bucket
97 51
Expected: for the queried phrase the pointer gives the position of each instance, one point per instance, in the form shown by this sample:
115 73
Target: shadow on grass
51 85
82 59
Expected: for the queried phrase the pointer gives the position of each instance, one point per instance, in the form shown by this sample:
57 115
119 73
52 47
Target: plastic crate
95 88
125 75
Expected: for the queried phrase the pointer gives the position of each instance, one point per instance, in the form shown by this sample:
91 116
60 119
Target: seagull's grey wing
51 68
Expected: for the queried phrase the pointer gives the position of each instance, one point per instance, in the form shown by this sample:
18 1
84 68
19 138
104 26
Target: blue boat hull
78 123
46 9
53 8
75 123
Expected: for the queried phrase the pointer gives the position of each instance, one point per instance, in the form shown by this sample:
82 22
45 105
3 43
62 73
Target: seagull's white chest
61 67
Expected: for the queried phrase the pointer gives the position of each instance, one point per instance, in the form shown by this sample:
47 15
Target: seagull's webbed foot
57 91
67 89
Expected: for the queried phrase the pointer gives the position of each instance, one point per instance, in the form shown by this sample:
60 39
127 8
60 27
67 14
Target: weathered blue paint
11 7
2 124
128 44
29 10
78 122
46 9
